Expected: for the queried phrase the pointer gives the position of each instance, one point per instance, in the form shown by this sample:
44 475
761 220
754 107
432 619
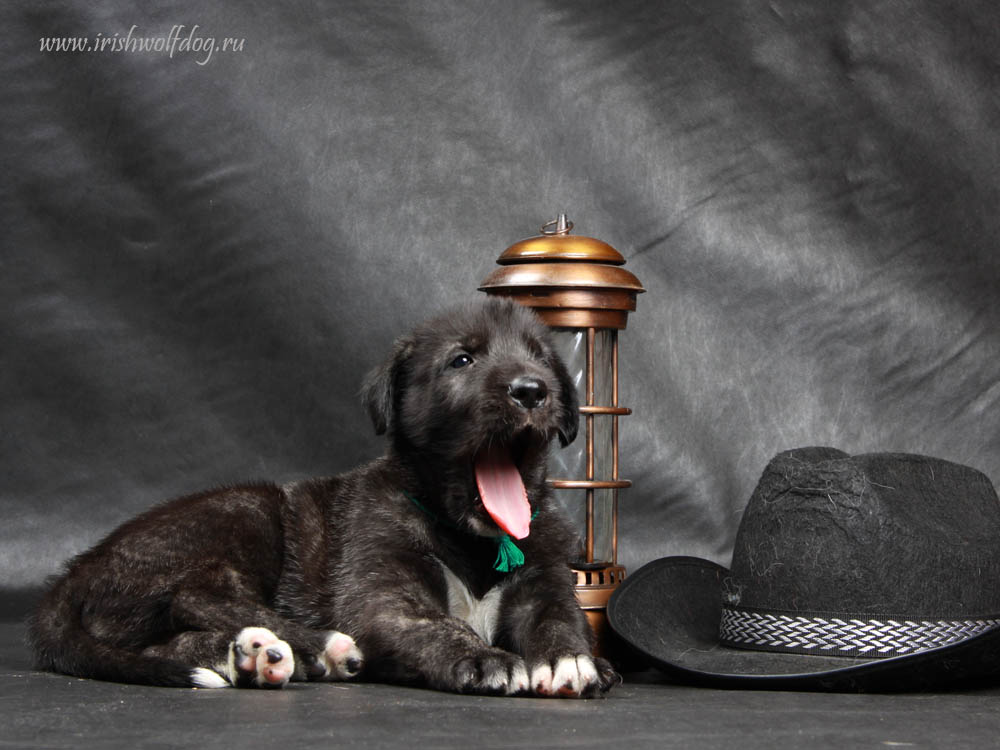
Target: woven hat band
864 636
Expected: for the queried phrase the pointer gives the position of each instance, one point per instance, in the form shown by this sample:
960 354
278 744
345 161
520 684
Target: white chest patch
481 614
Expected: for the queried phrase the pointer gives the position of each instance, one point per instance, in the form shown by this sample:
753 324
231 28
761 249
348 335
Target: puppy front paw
258 658
580 676
493 672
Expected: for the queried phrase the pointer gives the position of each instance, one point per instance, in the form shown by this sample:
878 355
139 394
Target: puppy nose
528 392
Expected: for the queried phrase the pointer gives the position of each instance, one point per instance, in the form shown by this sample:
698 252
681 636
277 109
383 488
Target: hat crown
884 534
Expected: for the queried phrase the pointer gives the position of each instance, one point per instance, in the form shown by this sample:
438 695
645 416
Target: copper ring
555 222
589 484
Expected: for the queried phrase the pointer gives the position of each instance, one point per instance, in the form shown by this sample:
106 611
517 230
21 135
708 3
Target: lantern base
594 584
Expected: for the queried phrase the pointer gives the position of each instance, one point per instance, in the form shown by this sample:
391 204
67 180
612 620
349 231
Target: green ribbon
509 555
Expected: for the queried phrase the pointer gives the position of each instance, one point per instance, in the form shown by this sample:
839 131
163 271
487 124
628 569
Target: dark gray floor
50 711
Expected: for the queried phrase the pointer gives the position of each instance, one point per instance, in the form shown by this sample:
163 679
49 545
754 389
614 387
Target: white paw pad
572 677
341 657
259 654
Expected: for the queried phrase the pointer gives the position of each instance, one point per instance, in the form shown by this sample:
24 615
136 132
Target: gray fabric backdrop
202 254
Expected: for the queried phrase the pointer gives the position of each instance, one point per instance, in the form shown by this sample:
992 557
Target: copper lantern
578 288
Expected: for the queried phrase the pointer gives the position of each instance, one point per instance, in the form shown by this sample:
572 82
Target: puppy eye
462 360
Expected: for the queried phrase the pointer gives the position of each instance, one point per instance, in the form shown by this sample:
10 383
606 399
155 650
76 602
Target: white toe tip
207 678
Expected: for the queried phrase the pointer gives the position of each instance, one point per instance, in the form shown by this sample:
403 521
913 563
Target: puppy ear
381 386
569 402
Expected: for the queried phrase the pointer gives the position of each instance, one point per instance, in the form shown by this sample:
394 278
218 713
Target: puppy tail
60 643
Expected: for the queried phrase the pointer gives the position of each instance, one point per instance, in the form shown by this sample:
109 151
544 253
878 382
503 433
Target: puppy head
480 376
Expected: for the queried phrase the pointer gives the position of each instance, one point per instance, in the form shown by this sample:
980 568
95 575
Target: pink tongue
502 491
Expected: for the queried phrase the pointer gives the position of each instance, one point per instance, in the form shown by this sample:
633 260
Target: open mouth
501 487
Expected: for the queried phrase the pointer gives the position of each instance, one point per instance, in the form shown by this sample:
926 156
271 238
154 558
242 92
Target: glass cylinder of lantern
587 469
576 285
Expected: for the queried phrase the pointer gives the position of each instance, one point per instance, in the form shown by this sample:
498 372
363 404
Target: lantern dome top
570 280
556 244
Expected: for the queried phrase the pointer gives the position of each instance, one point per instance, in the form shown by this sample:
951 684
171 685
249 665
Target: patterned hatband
843 636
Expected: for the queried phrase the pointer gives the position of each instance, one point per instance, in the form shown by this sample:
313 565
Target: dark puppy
412 554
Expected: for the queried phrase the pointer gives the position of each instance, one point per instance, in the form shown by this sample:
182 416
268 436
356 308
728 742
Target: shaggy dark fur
168 592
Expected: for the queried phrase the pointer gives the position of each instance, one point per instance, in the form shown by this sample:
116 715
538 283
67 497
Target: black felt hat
878 572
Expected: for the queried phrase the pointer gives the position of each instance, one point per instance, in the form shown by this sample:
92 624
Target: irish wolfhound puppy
414 555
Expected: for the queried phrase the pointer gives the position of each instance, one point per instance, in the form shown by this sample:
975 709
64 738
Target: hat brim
669 612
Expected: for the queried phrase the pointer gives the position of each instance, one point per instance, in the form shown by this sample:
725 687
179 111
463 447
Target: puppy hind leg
260 658
318 654
207 655
252 657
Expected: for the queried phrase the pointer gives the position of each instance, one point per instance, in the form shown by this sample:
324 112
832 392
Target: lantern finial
562 225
